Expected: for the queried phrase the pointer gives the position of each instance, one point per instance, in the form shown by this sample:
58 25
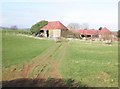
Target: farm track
43 69
39 60
53 71
45 66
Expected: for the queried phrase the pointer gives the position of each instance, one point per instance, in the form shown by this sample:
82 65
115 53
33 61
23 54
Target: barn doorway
88 36
41 33
47 32
82 35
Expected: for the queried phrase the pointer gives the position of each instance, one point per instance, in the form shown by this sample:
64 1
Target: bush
36 27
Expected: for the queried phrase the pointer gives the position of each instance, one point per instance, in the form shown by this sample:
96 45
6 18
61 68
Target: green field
89 63
93 64
18 49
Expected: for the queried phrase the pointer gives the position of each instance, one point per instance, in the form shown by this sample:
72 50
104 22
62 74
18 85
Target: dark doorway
41 33
47 33
88 35
82 35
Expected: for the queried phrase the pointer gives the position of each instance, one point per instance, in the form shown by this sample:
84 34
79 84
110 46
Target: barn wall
106 36
64 33
45 33
57 33
69 34
50 33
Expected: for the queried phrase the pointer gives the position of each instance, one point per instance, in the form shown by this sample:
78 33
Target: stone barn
88 34
54 29
105 34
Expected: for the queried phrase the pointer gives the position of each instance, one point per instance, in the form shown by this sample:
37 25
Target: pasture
17 49
92 64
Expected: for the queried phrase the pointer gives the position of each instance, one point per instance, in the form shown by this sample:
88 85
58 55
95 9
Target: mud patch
103 76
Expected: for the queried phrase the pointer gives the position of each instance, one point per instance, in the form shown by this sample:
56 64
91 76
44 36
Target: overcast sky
24 14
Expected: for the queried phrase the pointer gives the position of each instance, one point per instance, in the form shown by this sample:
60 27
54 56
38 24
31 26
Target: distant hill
1 28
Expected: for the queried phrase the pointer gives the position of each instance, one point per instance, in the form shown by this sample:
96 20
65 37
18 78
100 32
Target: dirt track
44 66
42 71
46 62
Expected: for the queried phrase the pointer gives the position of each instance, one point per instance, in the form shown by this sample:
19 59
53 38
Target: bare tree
73 26
84 26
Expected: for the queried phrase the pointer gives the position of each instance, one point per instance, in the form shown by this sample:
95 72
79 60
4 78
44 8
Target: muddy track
42 71
45 59
52 72
39 60
43 66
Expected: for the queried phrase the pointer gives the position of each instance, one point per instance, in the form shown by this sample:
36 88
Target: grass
93 64
18 49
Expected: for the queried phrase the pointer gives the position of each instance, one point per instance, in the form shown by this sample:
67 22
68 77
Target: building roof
105 31
87 32
54 25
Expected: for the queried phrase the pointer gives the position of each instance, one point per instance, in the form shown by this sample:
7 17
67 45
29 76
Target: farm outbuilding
88 33
54 29
105 34
91 33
